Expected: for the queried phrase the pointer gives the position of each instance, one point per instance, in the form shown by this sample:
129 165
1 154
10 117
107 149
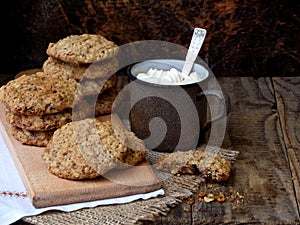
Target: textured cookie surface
105 102
94 106
38 94
82 49
97 106
89 148
209 165
97 86
40 122
77 72
35 138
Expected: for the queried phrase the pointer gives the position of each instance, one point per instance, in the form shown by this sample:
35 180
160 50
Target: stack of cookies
91 60
77 78
37 105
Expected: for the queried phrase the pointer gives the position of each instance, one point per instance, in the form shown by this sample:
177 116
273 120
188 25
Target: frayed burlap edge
176 190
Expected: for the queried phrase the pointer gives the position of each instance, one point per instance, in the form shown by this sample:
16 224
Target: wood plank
287 92
45 189
260 190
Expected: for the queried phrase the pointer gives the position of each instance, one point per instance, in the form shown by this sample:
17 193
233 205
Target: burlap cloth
177 188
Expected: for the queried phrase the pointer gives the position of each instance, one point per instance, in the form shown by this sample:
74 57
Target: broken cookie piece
207 164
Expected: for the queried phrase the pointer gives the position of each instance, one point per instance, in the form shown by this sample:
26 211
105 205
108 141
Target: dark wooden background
245 37
256 38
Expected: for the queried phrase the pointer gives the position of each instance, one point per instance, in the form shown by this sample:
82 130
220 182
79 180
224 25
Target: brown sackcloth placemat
176 190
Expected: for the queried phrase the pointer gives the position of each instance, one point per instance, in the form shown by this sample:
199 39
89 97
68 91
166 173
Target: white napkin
14 207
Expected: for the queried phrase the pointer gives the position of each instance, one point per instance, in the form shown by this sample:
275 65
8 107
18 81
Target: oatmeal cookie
105 102
89 71
38 94
135 146
89 148
40 122
100 105
82 49
209 165
34 138
28 72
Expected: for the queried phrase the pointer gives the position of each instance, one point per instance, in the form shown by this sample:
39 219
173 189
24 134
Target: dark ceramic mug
171 117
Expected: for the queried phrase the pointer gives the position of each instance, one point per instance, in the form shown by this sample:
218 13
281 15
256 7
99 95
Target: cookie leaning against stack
37 104
89 148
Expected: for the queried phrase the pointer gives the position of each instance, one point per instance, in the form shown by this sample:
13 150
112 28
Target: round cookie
40 122
39 94
93 71
89 148
82 49
35 138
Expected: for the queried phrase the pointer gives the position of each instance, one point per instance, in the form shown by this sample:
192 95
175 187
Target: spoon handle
194 48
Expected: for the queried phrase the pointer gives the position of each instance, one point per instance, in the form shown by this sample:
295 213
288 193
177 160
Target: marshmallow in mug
169 77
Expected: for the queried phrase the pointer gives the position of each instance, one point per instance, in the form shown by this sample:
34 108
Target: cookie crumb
209 198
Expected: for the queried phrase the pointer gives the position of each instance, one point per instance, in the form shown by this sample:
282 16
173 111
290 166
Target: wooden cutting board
45 189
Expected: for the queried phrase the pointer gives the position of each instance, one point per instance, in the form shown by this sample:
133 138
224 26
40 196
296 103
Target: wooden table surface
264 126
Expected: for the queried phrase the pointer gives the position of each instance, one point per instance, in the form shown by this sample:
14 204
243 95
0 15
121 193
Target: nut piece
191 201
221 198
209 198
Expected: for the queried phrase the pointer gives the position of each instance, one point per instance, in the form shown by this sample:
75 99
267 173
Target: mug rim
134 78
